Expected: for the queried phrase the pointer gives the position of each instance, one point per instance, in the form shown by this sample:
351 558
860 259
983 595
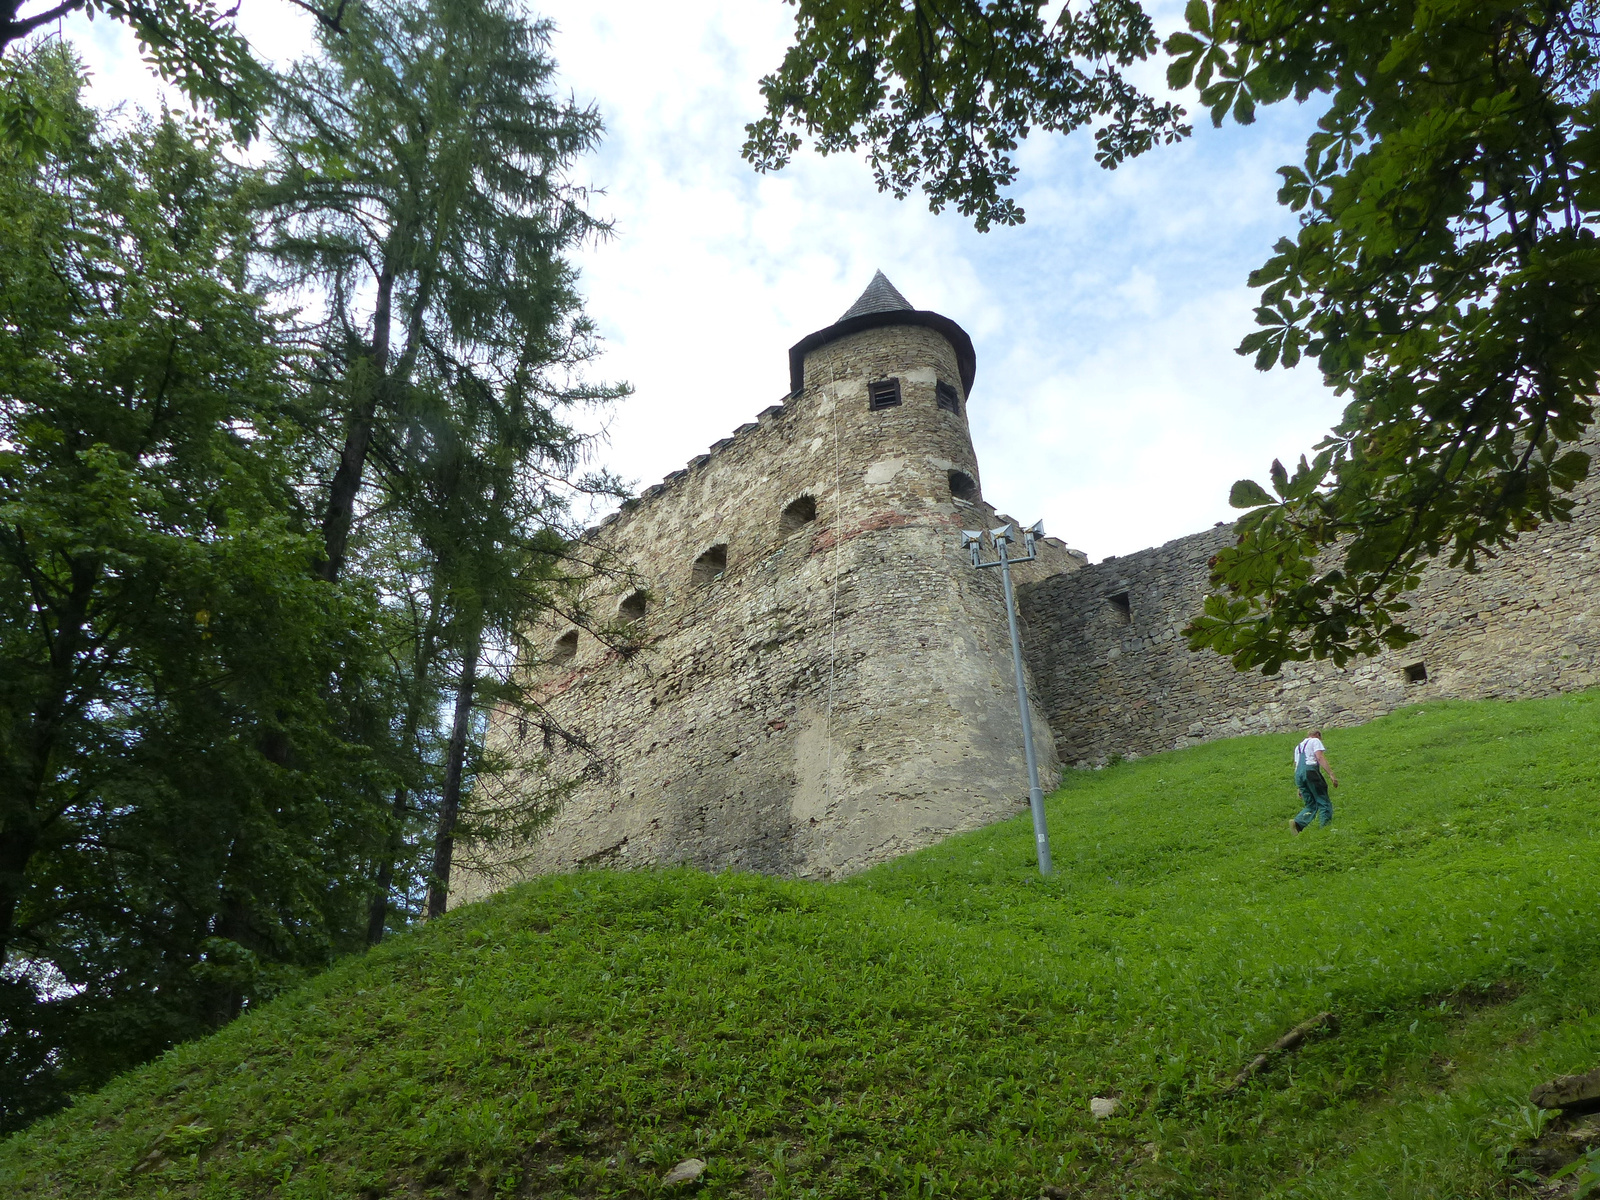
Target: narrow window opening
710 565
797 515
945 394
1417 673
565 648
963 486
883 393
633 606
1122 608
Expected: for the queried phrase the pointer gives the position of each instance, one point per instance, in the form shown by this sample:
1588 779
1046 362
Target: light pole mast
972 539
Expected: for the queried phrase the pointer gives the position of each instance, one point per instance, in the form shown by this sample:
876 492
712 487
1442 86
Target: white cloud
1108 400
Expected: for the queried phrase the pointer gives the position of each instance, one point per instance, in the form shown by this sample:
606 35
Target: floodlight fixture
972 539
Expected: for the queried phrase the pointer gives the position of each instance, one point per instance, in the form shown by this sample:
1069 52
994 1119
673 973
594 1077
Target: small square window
1121 608
711 565
945 394
565 648
883 393
1417 673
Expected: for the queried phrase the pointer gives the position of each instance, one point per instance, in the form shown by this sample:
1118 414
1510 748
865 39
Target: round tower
805 675
921 714
900 377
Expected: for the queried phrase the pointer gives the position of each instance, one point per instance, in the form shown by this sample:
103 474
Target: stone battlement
700 460
1117 678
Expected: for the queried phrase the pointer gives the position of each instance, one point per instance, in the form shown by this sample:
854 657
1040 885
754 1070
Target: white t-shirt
1306 752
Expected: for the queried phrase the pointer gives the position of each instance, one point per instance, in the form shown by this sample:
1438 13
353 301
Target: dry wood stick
1292 1040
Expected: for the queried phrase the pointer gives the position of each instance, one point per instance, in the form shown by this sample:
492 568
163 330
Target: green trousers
1314 791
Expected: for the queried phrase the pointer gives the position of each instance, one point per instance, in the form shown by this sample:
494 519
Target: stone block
1568 1091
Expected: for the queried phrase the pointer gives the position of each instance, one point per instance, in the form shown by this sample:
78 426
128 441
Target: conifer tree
420 188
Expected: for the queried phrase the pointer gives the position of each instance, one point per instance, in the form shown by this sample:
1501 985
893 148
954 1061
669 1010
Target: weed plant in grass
937 1026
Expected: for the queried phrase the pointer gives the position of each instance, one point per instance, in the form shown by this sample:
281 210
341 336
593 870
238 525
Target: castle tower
813 678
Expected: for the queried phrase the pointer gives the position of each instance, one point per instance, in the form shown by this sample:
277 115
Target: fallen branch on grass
1292 1040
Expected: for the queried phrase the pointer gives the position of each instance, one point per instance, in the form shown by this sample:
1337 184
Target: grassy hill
937 1026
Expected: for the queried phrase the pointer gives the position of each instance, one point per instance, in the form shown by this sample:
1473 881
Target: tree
421 163
940 92
417 596
192 44
221 675
160 634
488 517
1444 276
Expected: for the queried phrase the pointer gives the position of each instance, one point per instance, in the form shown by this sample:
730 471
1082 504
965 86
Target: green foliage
419 186
226 737
942 93
192 44
1586 1171
419 179
1444 277
161 863
31 118
936 1026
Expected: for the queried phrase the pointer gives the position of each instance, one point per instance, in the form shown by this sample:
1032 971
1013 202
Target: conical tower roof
880 296
882 305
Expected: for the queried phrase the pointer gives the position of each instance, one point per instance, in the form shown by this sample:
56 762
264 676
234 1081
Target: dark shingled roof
881 305
880 296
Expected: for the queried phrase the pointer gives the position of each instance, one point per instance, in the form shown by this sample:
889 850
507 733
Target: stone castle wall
841 693
800 673
1116 676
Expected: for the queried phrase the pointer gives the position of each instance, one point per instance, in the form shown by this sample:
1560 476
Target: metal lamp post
972 539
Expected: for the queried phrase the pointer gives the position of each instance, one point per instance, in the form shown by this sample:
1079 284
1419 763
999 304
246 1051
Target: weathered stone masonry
817 680
1115 675
828 692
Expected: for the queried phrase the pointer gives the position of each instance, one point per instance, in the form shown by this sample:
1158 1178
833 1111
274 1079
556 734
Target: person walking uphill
1310 764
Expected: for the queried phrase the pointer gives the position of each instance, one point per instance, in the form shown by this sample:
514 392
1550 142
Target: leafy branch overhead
941 92
1444 276
192 44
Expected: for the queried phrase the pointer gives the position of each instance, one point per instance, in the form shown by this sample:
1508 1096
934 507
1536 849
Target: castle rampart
811 678
1117 678
820 681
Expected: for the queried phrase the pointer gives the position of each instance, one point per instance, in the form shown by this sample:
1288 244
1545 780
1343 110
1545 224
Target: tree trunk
421 696
346 484
450 802
16 850
22 813
231 923
378 914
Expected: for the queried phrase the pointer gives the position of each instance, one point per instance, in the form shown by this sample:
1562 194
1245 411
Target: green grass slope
938 1026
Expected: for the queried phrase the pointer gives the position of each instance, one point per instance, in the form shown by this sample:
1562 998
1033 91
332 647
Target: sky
1109 401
